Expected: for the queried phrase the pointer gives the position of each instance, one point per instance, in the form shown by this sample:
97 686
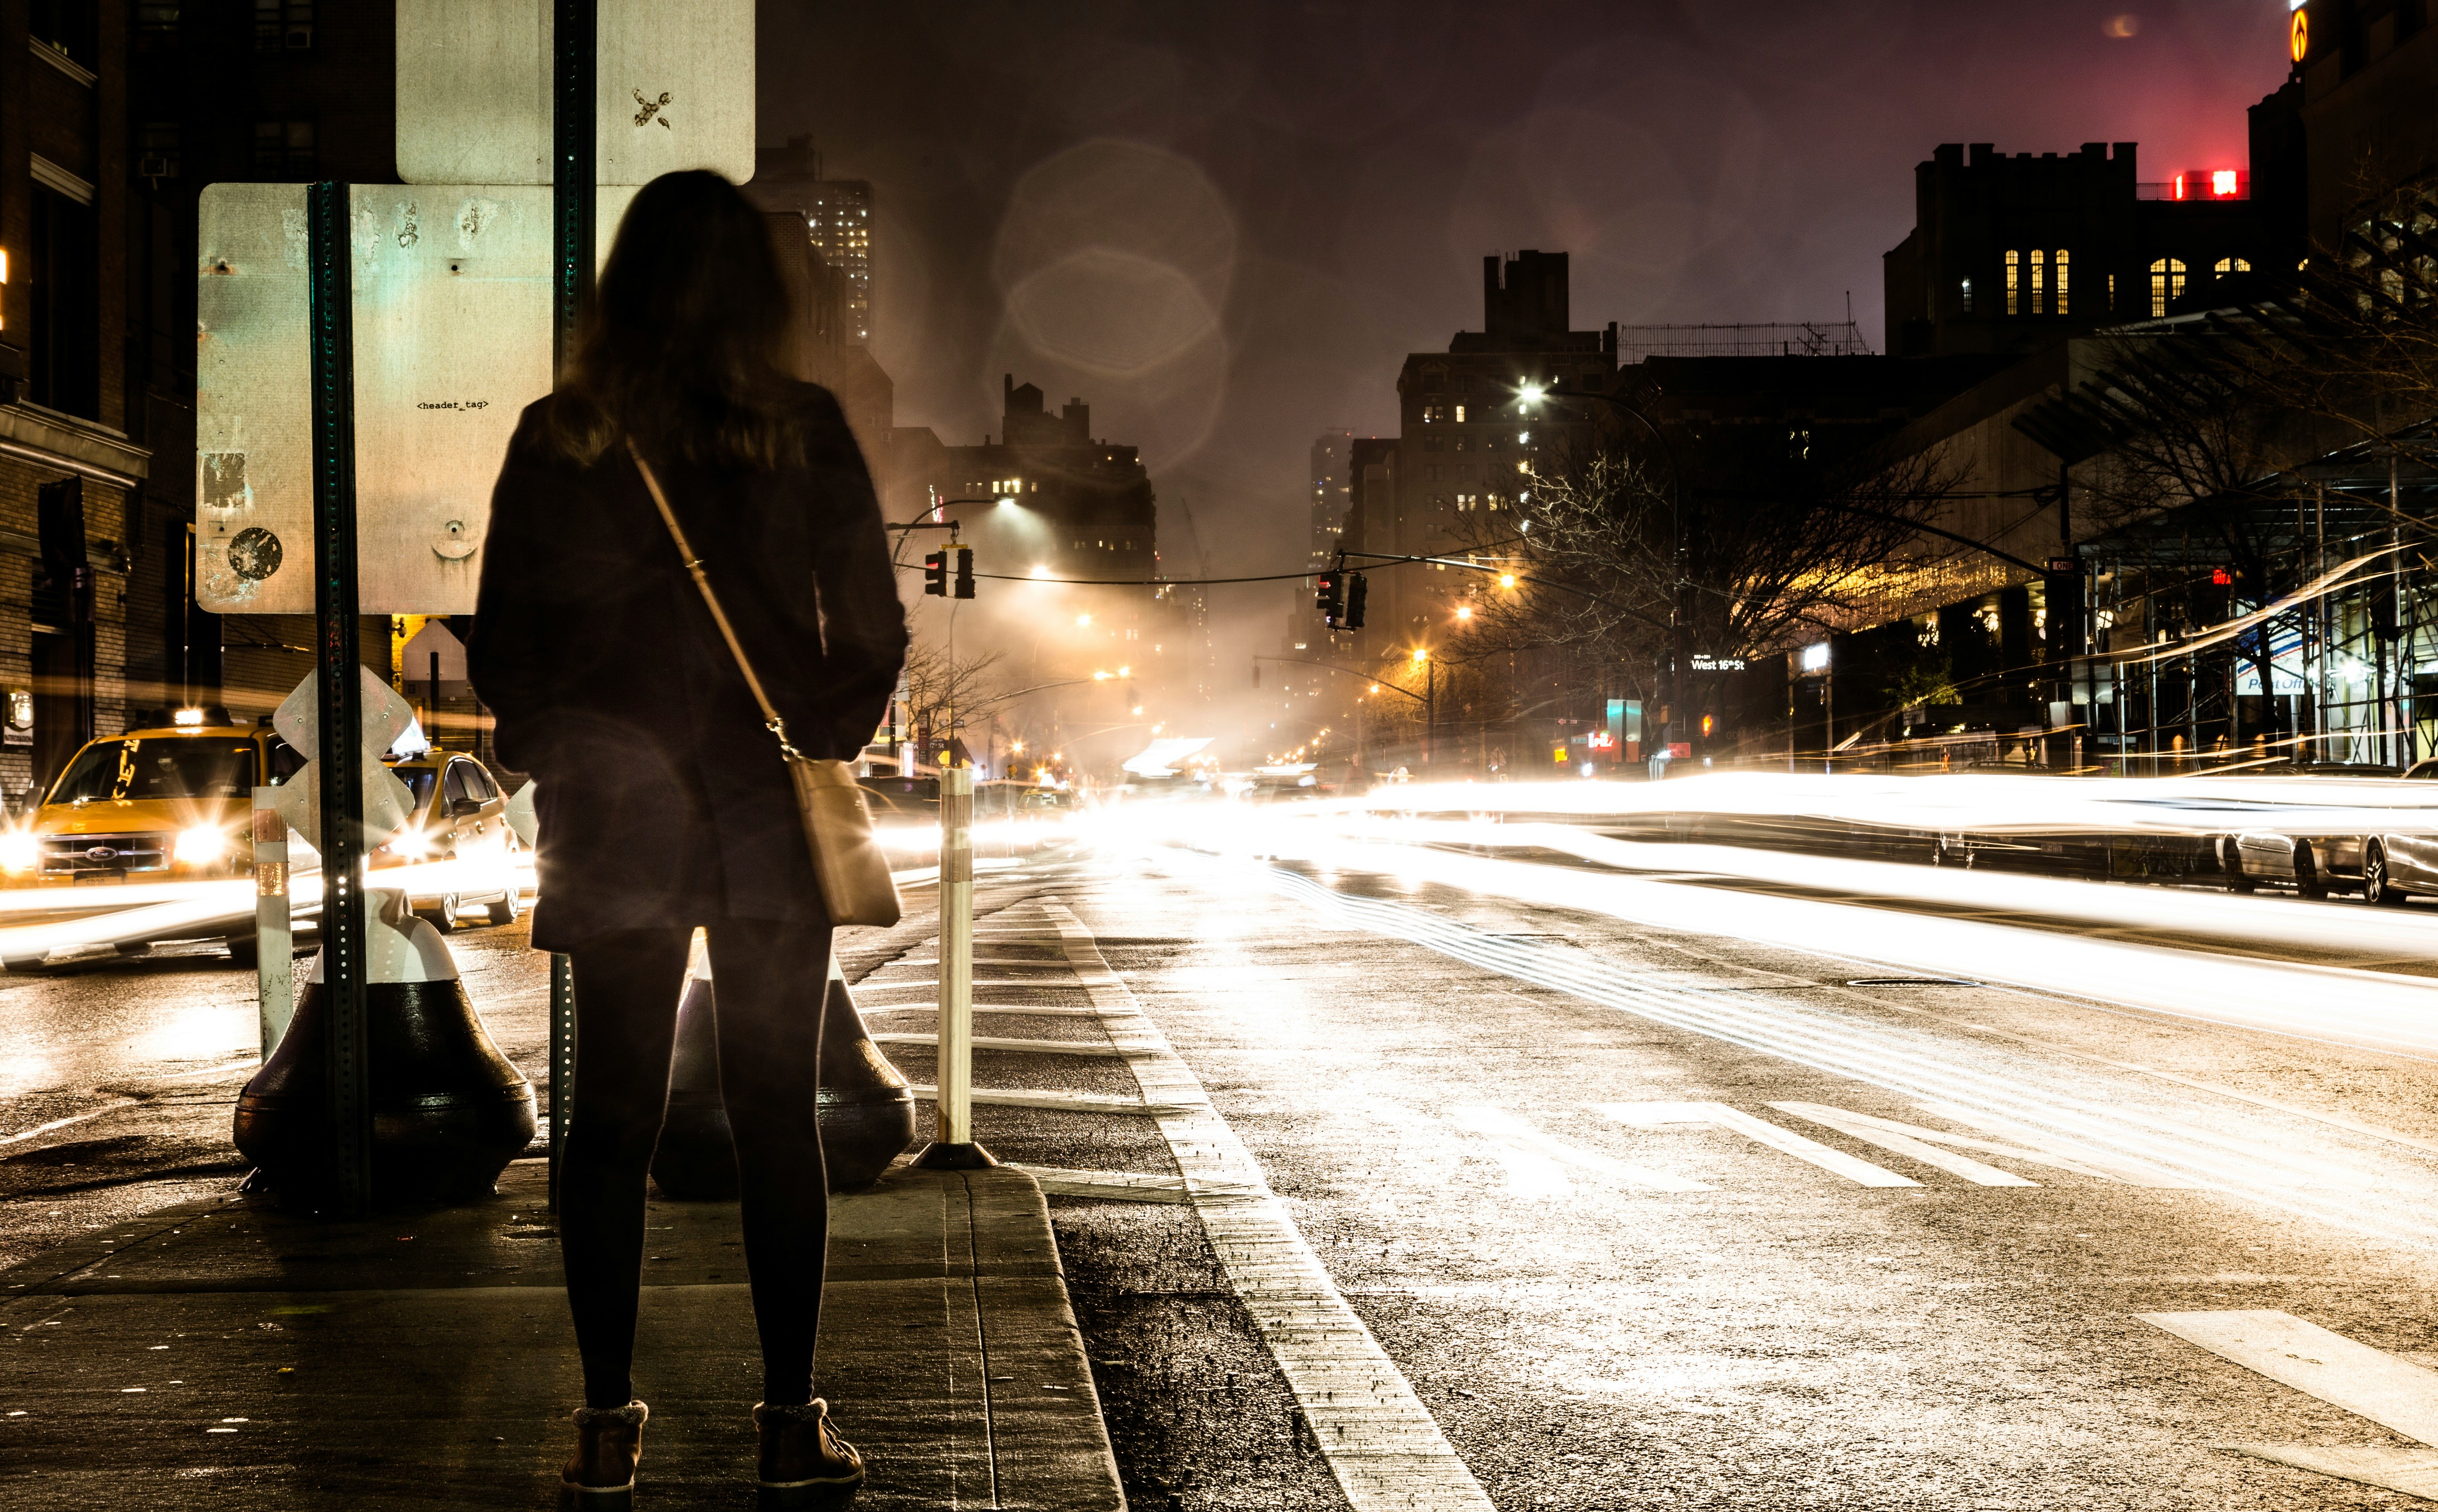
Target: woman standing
664 801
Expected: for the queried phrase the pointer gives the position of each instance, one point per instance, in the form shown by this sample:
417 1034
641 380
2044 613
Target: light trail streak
2375 932
2095 1126
2334 1005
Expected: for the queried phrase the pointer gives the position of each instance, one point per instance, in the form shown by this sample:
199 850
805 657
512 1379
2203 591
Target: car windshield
160 766
418 782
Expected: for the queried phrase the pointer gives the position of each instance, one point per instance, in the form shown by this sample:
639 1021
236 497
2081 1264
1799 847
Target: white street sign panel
453 339
675 90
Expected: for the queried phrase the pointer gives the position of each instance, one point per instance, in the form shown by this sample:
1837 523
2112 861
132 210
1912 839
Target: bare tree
941 693
1779 542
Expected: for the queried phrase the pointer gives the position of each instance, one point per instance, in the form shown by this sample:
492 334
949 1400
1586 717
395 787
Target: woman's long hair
683 348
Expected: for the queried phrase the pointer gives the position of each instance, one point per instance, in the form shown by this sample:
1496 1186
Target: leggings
769 981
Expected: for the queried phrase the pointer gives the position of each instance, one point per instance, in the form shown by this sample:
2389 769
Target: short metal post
562 1062
955 1149
274 955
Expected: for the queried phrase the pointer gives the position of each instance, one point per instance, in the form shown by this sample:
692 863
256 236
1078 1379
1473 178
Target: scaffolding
1797 339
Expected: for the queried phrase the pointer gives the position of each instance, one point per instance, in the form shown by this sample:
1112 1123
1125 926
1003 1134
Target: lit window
2014 284
2111 293
2040 271
2166 283
1459 415
2061 269
1968 296
2233 265
2222 183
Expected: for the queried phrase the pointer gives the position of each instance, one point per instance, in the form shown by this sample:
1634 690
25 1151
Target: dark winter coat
664 800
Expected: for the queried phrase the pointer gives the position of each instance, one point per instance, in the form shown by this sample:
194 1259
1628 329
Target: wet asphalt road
1519 1139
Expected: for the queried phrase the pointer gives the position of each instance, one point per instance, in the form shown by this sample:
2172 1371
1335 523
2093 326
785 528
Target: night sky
1224 225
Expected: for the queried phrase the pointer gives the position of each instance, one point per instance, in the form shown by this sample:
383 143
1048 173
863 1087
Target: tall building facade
836 214
1092 501
1463 443
1330 495
2010 254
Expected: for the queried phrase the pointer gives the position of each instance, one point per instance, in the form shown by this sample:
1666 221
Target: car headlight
202 846
20 851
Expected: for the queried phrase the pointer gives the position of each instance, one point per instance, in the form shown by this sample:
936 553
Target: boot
804 1465
609 1442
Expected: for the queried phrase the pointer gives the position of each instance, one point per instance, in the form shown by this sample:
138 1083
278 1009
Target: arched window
2014 283
2166 283
2234 265
2062 268
2039 274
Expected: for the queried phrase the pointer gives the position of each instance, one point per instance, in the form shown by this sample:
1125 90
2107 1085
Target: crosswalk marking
1914 1144
2069 1155
2413 1472
1506 1129
2395 1393
1718 1115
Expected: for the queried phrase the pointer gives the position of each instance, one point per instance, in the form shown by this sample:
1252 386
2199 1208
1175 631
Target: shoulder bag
856 887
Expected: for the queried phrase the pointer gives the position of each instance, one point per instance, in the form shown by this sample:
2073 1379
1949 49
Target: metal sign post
955 1149
330 334
274 956
575 149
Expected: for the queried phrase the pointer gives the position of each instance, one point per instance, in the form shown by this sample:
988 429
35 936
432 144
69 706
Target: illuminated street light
1040 569
1084 620
1102 677
1421 655
1506 580
1464 611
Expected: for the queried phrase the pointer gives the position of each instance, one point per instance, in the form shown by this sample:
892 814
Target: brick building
73 456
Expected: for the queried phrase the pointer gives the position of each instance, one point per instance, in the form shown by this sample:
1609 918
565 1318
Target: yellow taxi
159 804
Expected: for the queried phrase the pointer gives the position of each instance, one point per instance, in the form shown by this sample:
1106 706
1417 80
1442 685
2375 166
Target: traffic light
965 571
1355 591
1329 597
935 573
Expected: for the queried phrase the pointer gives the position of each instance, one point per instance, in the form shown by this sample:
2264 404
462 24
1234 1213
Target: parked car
2384 866
459 832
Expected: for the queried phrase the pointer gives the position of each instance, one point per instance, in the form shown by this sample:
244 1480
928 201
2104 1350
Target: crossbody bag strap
711 599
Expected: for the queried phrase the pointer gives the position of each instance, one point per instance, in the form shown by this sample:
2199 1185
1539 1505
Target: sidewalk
223 1354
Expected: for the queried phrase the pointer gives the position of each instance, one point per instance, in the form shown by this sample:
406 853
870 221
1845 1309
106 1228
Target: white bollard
273 954
955 1148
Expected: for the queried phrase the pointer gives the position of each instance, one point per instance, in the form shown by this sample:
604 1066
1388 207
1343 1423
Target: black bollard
448 1111
866 1110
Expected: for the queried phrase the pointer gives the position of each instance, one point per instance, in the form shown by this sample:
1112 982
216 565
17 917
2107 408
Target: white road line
2395 1393
62 1123
1058 1101
1027 1046
1129 1185
2413 1472
1383 1446
1719 1115
986 1008
1901 1139
1503 1127
2120 1168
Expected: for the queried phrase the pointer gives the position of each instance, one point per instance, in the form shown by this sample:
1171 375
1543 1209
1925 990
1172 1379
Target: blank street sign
675 90
453 339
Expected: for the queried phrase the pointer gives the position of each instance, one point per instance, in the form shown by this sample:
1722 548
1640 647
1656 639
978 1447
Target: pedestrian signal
935 573
965 571
1355 591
